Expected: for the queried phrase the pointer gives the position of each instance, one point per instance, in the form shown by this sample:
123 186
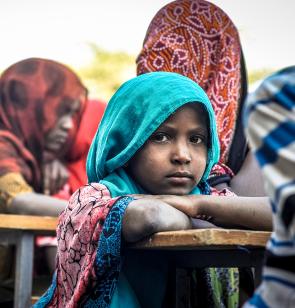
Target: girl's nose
181 153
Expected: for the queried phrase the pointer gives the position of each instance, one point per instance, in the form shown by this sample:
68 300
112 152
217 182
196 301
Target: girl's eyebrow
171 126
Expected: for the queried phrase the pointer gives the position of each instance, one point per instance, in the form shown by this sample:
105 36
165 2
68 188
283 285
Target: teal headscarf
134 112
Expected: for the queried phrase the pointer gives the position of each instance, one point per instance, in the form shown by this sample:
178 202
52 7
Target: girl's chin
50 155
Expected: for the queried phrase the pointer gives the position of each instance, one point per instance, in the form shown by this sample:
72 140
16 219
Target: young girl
198 39
148 166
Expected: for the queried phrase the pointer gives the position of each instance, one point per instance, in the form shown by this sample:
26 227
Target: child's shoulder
91 191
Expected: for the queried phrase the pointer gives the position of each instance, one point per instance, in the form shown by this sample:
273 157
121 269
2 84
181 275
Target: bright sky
61 29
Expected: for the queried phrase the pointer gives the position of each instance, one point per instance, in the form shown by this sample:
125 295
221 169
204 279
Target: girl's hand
187 204
55 176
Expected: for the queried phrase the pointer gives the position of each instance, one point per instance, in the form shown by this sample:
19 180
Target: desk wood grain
26 222
203 238
185 238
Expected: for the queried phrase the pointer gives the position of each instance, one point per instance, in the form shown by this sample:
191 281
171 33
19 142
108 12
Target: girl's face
173 159
57 137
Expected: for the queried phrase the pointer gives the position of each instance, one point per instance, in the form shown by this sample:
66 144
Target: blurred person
270 125
42 103
46 127
44 139
75 163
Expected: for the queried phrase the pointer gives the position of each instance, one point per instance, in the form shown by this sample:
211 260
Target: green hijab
134 112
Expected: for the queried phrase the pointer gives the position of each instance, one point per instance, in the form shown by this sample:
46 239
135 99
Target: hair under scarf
134 112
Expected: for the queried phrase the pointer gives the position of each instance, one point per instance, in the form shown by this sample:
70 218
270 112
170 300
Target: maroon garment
78 154
34 94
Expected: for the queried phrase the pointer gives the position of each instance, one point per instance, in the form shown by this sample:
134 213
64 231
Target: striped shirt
269 121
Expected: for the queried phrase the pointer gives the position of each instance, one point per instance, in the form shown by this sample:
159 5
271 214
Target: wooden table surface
189 248
202 238
185 238
27 222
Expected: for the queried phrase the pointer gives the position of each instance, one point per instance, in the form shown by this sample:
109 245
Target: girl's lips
180 180
181 174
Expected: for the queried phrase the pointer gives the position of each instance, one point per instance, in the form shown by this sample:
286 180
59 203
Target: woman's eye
196 139
160 137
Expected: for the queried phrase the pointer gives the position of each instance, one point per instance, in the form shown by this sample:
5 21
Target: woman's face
173 159
57 137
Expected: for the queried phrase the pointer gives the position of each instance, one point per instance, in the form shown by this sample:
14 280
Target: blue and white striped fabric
269 121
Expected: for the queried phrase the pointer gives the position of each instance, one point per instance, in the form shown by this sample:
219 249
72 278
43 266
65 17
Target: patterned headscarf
134 112
198 40
34 94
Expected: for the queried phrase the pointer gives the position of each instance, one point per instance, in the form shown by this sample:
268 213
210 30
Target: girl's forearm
37 204
144 217
247 212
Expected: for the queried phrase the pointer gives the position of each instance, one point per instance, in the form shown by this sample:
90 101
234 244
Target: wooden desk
213 247
182 249
203 238
20 231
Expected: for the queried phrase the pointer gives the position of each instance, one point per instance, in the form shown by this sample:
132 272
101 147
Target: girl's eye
159 137
196 139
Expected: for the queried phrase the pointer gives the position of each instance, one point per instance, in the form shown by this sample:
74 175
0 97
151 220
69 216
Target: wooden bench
182 249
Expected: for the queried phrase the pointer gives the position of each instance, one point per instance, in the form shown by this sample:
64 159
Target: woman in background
44 136
43 105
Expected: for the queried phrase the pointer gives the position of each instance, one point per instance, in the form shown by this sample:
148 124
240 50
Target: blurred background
100 39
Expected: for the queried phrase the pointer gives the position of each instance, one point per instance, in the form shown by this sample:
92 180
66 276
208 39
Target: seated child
148 167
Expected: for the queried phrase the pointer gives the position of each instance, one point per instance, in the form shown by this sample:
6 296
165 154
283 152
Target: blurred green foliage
256 75
106 72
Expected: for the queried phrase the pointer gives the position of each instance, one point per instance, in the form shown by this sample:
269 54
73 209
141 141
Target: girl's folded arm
225 211
235 211
248 212
144 217
32 203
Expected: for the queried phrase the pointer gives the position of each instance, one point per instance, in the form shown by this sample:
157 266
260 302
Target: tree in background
107 71
256 76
